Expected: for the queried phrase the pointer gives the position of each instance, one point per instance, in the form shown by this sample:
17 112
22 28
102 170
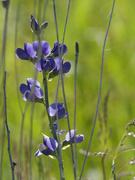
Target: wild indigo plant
49 62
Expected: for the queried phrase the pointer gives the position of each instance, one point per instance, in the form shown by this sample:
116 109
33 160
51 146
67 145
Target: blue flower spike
32 91
55 109
48 147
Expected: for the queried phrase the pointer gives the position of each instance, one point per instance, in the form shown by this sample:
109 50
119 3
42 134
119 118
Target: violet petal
72 132
61 113
46 49
51 144
23 88
38 153
39 93
29 49
21 54
79 138
31 82
38 65
66 67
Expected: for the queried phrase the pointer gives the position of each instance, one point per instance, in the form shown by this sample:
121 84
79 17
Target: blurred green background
87 24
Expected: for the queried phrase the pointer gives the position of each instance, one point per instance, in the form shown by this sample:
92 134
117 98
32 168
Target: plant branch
8 132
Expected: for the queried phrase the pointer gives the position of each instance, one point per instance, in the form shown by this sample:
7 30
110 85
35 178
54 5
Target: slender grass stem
31 136
61 168
2 148
61 74
64 96
15 61
62 176
7 128
47 105
75 93
99 95
2 65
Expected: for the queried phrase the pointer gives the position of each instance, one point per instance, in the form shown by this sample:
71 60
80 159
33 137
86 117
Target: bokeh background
87 24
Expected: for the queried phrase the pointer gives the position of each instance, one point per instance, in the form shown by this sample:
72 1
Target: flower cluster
49 145
50 62
40 53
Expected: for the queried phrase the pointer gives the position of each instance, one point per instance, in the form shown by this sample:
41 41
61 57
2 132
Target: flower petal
31 82
46 66
39 93
35 45
66 67
38 65
72 132
29 49
79 138
57 63
23 88
29 96
46 152
46 49
38 153
52 108
24 98
51 144
21 54
55 49
61 113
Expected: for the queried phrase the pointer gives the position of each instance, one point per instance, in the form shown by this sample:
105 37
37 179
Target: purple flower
55 50
27 53
65 68
34 25
79 138
32 91
60 111
45 64
46 49
48 146
74 138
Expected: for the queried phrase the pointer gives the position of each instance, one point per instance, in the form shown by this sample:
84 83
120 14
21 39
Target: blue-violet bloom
74 138
45 64
46 49
66 66
48 146
27 53
55 50
60 111
79 138
32 91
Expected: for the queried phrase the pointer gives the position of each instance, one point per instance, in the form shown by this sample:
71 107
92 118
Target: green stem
47 105
52 126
